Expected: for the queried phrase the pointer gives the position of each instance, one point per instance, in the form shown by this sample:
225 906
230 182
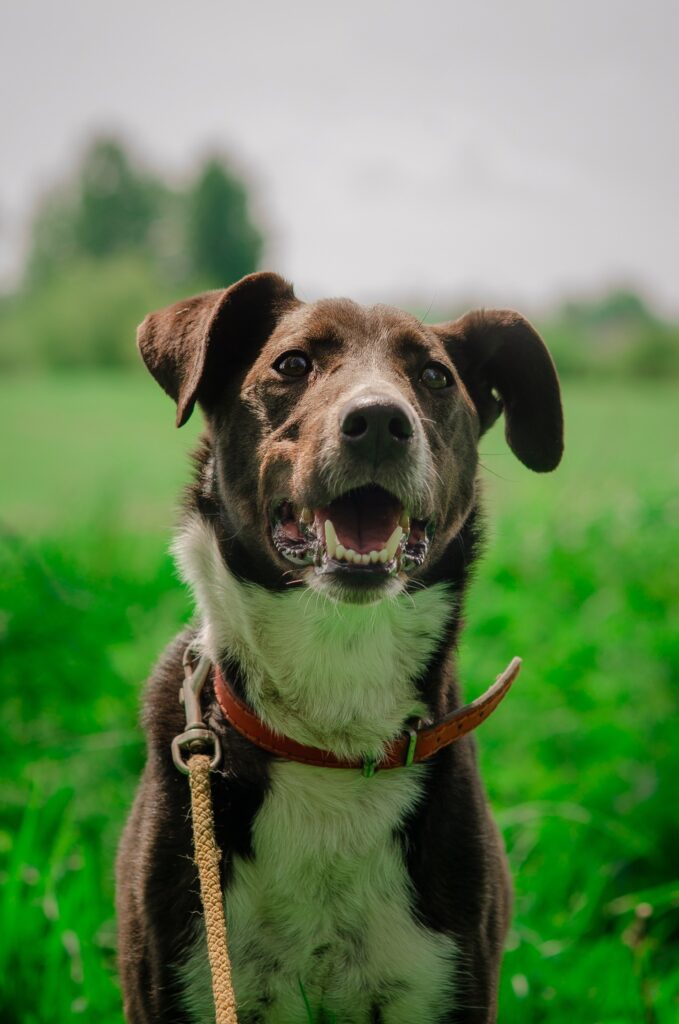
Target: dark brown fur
266 439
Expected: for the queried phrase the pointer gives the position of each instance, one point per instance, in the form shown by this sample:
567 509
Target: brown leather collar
412 746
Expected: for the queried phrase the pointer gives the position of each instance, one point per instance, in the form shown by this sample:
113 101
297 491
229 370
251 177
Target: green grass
581 762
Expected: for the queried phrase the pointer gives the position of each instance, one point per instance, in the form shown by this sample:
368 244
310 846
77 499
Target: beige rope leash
207 857
192 743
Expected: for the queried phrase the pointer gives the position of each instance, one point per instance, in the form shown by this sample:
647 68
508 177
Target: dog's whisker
499 476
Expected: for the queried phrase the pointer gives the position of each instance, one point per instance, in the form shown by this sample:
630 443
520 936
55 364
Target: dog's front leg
157 901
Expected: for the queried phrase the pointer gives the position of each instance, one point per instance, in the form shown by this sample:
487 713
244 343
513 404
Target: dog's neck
342 677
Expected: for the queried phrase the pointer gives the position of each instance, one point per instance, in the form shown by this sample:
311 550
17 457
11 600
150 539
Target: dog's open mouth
365 531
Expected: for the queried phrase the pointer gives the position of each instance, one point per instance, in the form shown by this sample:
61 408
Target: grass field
581 763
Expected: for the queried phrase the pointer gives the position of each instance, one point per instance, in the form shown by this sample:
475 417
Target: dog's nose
376 426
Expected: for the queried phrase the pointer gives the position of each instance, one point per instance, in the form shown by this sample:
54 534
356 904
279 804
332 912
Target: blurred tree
201 237
618 308
117 204
613 334
111 242
222 242
52 240
109 207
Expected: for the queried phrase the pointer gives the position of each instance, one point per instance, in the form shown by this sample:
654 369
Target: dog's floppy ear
185 346
505 366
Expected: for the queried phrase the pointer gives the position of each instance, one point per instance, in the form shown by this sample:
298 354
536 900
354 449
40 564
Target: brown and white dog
328 538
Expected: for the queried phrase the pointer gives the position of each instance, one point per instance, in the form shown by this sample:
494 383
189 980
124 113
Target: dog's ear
505 366
187 346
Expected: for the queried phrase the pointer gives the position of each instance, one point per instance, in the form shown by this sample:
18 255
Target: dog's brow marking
329 339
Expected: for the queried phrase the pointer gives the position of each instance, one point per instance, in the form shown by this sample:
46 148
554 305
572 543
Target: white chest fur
324 907
322 912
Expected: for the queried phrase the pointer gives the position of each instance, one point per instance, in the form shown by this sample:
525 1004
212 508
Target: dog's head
343 438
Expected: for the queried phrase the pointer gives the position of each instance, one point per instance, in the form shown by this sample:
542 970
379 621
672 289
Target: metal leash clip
196 738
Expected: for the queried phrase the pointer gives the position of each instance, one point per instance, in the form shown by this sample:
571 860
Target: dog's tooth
340 553
374 556
351 556
383 555
307 516
404 522
365 559
331 541
393 543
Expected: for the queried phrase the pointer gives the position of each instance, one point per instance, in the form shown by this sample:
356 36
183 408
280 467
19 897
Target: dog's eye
436 376
293 364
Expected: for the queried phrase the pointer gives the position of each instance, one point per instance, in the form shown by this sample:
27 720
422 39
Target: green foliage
72 614
86 317
614 336
222 243
109 208
111 243
117 205
580 762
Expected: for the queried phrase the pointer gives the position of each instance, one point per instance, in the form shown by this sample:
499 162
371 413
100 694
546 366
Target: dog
328 538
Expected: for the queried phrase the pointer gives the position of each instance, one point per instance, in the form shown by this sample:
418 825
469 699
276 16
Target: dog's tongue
364 519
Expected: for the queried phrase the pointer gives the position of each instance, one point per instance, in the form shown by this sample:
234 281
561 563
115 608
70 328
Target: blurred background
435 157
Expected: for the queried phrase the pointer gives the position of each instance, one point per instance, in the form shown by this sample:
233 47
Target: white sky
509 150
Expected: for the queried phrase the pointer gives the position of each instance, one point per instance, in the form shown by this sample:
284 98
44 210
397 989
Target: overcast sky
512 150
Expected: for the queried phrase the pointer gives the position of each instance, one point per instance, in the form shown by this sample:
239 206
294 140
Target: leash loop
196 738
195 741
